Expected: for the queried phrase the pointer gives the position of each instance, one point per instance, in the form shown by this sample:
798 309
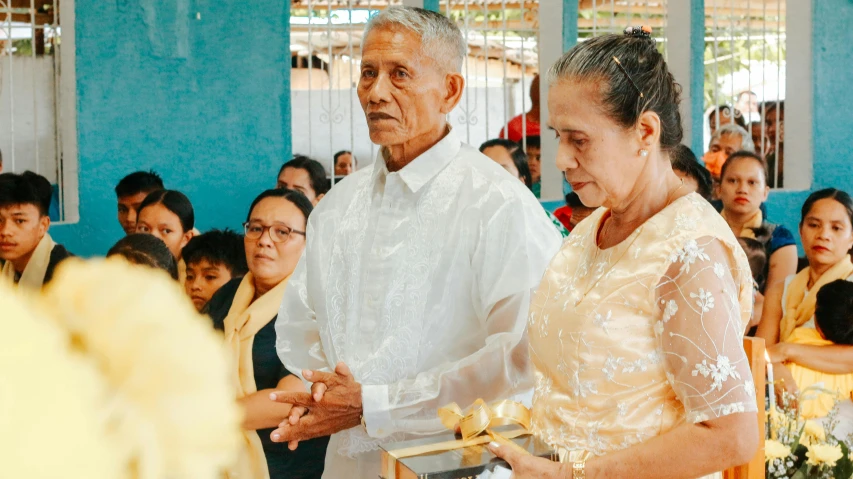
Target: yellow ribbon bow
481 418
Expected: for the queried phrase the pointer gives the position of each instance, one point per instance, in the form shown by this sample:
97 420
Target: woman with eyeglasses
246 309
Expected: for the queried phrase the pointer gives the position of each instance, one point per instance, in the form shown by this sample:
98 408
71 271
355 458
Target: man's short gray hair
441 39
746 143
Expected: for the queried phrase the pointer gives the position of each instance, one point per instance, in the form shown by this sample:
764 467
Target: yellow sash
799 306
754 222
245 318
33 275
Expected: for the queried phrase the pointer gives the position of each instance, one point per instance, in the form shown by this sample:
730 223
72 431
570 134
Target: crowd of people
353 311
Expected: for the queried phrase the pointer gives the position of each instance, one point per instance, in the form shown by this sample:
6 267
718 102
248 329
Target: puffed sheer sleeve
705 304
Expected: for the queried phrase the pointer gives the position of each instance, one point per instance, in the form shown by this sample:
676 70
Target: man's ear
454 84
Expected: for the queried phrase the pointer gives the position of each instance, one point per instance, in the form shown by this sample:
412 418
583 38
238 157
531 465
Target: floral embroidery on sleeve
701 331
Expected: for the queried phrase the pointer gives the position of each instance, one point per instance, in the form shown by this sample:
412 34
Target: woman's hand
785 384
525 466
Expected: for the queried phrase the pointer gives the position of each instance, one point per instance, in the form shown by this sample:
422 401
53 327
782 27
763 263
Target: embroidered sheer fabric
419 280
629 342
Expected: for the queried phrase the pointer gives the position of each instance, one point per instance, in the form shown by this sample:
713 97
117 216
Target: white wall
27 95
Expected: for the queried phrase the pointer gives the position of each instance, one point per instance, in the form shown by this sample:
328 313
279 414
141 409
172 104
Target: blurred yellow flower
813 433
50 422
775 450
824 454
171 409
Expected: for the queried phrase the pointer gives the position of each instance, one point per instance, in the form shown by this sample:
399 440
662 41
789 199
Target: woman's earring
644 153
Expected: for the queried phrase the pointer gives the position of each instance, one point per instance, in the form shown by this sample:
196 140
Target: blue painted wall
197 90
833 123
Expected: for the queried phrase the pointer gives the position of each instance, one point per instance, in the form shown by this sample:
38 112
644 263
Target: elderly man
728 139
417 274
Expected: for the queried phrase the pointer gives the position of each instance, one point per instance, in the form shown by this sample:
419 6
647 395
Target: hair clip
619 64
643 31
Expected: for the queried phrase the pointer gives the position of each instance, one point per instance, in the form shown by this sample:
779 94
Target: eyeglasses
279 232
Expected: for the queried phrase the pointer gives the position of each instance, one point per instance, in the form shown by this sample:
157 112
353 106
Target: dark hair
342 153
640 66
516 152
26 188
147 250
834 311
296 197
315 170
139 182
824 194
683 159
756 253
574 201
773 105
744 154
733 112
218 247
534 141
174 201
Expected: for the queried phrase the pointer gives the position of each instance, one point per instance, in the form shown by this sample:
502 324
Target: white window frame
799 93
67 109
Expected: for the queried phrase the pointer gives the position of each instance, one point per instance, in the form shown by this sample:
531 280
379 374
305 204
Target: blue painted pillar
697 74
570 24
286 109
432 5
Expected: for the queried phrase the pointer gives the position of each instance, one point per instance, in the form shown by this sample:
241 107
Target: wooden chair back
754 469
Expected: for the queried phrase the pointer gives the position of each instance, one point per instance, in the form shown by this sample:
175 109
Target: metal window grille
503 58
31 124
599 17
745 70
326 38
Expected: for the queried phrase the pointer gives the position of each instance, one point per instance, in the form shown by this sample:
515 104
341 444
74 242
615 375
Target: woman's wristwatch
578 461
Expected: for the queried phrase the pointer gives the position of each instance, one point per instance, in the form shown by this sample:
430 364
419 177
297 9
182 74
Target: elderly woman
635 330
246 310
725 142
788 323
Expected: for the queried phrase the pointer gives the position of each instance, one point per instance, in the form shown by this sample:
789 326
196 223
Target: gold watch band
578 461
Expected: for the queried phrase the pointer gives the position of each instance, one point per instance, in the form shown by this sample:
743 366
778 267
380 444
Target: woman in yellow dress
788 323
636 329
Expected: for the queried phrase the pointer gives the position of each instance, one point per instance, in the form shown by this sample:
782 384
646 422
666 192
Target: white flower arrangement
800 449
158 402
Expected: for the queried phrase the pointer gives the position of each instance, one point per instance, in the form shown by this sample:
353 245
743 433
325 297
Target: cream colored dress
629 342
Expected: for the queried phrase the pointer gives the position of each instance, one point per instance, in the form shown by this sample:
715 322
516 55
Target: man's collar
424 168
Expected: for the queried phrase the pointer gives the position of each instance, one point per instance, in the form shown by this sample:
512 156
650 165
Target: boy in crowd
29 253
131 191
213 259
